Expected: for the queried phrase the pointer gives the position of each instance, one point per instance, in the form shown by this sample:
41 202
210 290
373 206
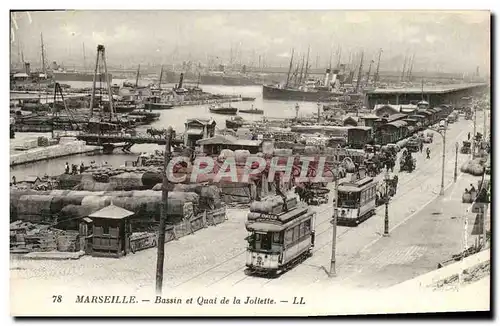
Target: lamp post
334 222
442 131
386 219
456 162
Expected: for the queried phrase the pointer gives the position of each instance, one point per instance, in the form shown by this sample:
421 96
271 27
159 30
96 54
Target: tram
356 201
279 241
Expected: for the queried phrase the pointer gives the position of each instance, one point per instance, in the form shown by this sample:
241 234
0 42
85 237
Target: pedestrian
428 151
82 168
66 168
472 189
14 180
468 136
421 147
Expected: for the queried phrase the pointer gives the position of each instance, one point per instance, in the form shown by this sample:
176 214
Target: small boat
159 106
247 99
252 111
223 110
234 123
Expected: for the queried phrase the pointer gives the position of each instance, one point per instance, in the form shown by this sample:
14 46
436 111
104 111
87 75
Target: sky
441 40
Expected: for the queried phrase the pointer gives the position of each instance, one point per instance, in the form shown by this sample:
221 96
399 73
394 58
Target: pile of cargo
65 207
108 179
475 167
27 145
272 205
28 237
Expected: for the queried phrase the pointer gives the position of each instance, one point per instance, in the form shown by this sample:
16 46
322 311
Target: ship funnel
334 77
181 78
327 76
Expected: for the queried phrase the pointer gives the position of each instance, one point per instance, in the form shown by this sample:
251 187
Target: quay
67 148
434 95
110 142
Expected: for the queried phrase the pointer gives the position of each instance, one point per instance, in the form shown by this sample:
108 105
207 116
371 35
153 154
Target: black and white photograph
249 162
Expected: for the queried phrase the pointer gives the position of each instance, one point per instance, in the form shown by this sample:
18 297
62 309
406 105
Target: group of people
75 169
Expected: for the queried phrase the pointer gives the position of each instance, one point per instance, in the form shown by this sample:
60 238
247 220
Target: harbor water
175 118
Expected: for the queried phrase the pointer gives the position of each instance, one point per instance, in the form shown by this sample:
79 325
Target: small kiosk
111 232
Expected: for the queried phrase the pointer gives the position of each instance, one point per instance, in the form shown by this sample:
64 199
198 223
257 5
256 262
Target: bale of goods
402 143
96 202
283 152
34 205
74 211
68 242
473 167
241 155
69 181
126 181
225 153
42 141
151 178
466 198
190 187
145 193
158 187
58 192
350 167
184 196
311 150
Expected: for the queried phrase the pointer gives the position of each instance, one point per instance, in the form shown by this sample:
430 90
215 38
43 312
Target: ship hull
82 77
159 106
227 81
224 111
274 93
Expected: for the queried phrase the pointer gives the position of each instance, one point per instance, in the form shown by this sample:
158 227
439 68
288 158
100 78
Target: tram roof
275 225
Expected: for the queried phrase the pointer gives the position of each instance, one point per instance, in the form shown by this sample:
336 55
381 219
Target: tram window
276 237
302 230
296 233
288 236
307 226
266 242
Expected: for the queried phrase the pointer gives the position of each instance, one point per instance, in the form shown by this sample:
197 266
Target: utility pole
386 217
163 217
333 271
375 79
456 162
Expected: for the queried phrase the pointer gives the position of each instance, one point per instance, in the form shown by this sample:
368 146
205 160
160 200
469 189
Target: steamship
310 91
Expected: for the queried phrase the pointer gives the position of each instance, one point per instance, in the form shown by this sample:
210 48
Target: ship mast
84 58
339 56
43 53
360 72
375 79
137 76
289 70
302 70
307 63
404 68
411 67
161 76
369 71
